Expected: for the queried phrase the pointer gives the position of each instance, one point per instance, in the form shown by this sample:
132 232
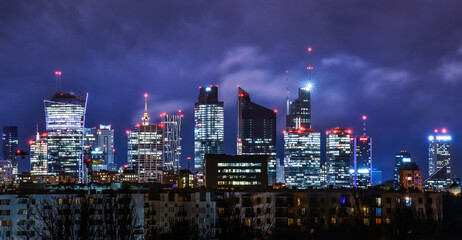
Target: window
258 210
299 201
268 200
420 200
258 200
388 200
378 212
378 201
378 221
388 210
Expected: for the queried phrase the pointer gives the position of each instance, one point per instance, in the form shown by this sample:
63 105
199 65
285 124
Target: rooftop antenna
58 80
364 125
288 93
309 68
145 118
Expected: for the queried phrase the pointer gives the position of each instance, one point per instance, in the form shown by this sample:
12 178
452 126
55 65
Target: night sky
398 62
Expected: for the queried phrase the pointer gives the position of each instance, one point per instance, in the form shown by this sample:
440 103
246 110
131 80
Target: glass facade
257 132
362 162
302 158
102 142
172 135
299 110
10 146
65 120
400 158
208 128
338 157
38 155
439 157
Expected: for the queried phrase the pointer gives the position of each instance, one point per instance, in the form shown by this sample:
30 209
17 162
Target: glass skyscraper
256 132
38 155
10 146
362 159
400 158
302 158
208 127
65 121
102 146
299 110
338 157
172 135
439 159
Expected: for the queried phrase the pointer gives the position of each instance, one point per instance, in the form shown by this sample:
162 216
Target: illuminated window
378 221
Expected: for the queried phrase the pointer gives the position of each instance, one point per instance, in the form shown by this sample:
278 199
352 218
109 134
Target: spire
37 136
364 125
145 117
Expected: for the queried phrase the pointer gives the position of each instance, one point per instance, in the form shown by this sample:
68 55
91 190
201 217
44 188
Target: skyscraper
65 121
338 157
172 135
439 158
362 159
10 146
302 158
400 158
103 149
299 110
38 155
145 146
256 132
209 127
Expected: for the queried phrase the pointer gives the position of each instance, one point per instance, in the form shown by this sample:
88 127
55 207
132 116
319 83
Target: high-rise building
299 110
338 157
104 149
6 172
362 159
65 121
145 146
376 176
256 132
90 139
10 146
400 158
38 155
172 135
302 158
410 176
439 158
208 128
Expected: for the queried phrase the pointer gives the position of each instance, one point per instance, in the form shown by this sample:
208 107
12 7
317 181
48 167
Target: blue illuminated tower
439 160
362 159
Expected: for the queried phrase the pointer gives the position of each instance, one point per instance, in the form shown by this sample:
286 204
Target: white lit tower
38 155
439 160
172 135
338 148
65 121
362 159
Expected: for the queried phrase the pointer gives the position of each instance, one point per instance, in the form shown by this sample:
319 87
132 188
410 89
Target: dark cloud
398 62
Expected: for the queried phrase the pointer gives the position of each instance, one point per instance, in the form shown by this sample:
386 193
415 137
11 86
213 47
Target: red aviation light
137 125
18 152
31 142
284 132
241 95
145 95
352 139
309 68
309 49
275 111
364 117
128 131
287 71
363 139
436 130
349 131
444 130
44 134
179 110
88 160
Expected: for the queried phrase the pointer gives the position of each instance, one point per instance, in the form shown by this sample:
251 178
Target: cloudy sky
398 62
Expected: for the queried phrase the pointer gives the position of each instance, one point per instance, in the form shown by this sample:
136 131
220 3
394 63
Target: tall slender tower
257 131
172 135
362 165
145 147
38 155
10 146
338 147
439 160
208 127
65 121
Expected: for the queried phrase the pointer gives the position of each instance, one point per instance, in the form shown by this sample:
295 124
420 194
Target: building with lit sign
224 171
439 160
400 158
38 155
65 121
362 159
302 158
256 132
209 128
338 157
10 146
172 135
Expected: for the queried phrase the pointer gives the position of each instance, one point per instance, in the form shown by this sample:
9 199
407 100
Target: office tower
65 121
208 128
89 138
302 158
103 149
376 176
145 146
10 146
256 132
338 157
362 159
299 110
410 176
6 172
224 171
439 159
38 155
400 158
279 171
172 135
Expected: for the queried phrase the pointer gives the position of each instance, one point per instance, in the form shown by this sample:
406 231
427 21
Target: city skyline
403 103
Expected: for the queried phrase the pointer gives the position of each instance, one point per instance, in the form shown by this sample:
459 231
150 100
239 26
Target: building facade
439 157
10 146
338 157
410 176
65 121
256 132
208 127
400 158
172 135
39 155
